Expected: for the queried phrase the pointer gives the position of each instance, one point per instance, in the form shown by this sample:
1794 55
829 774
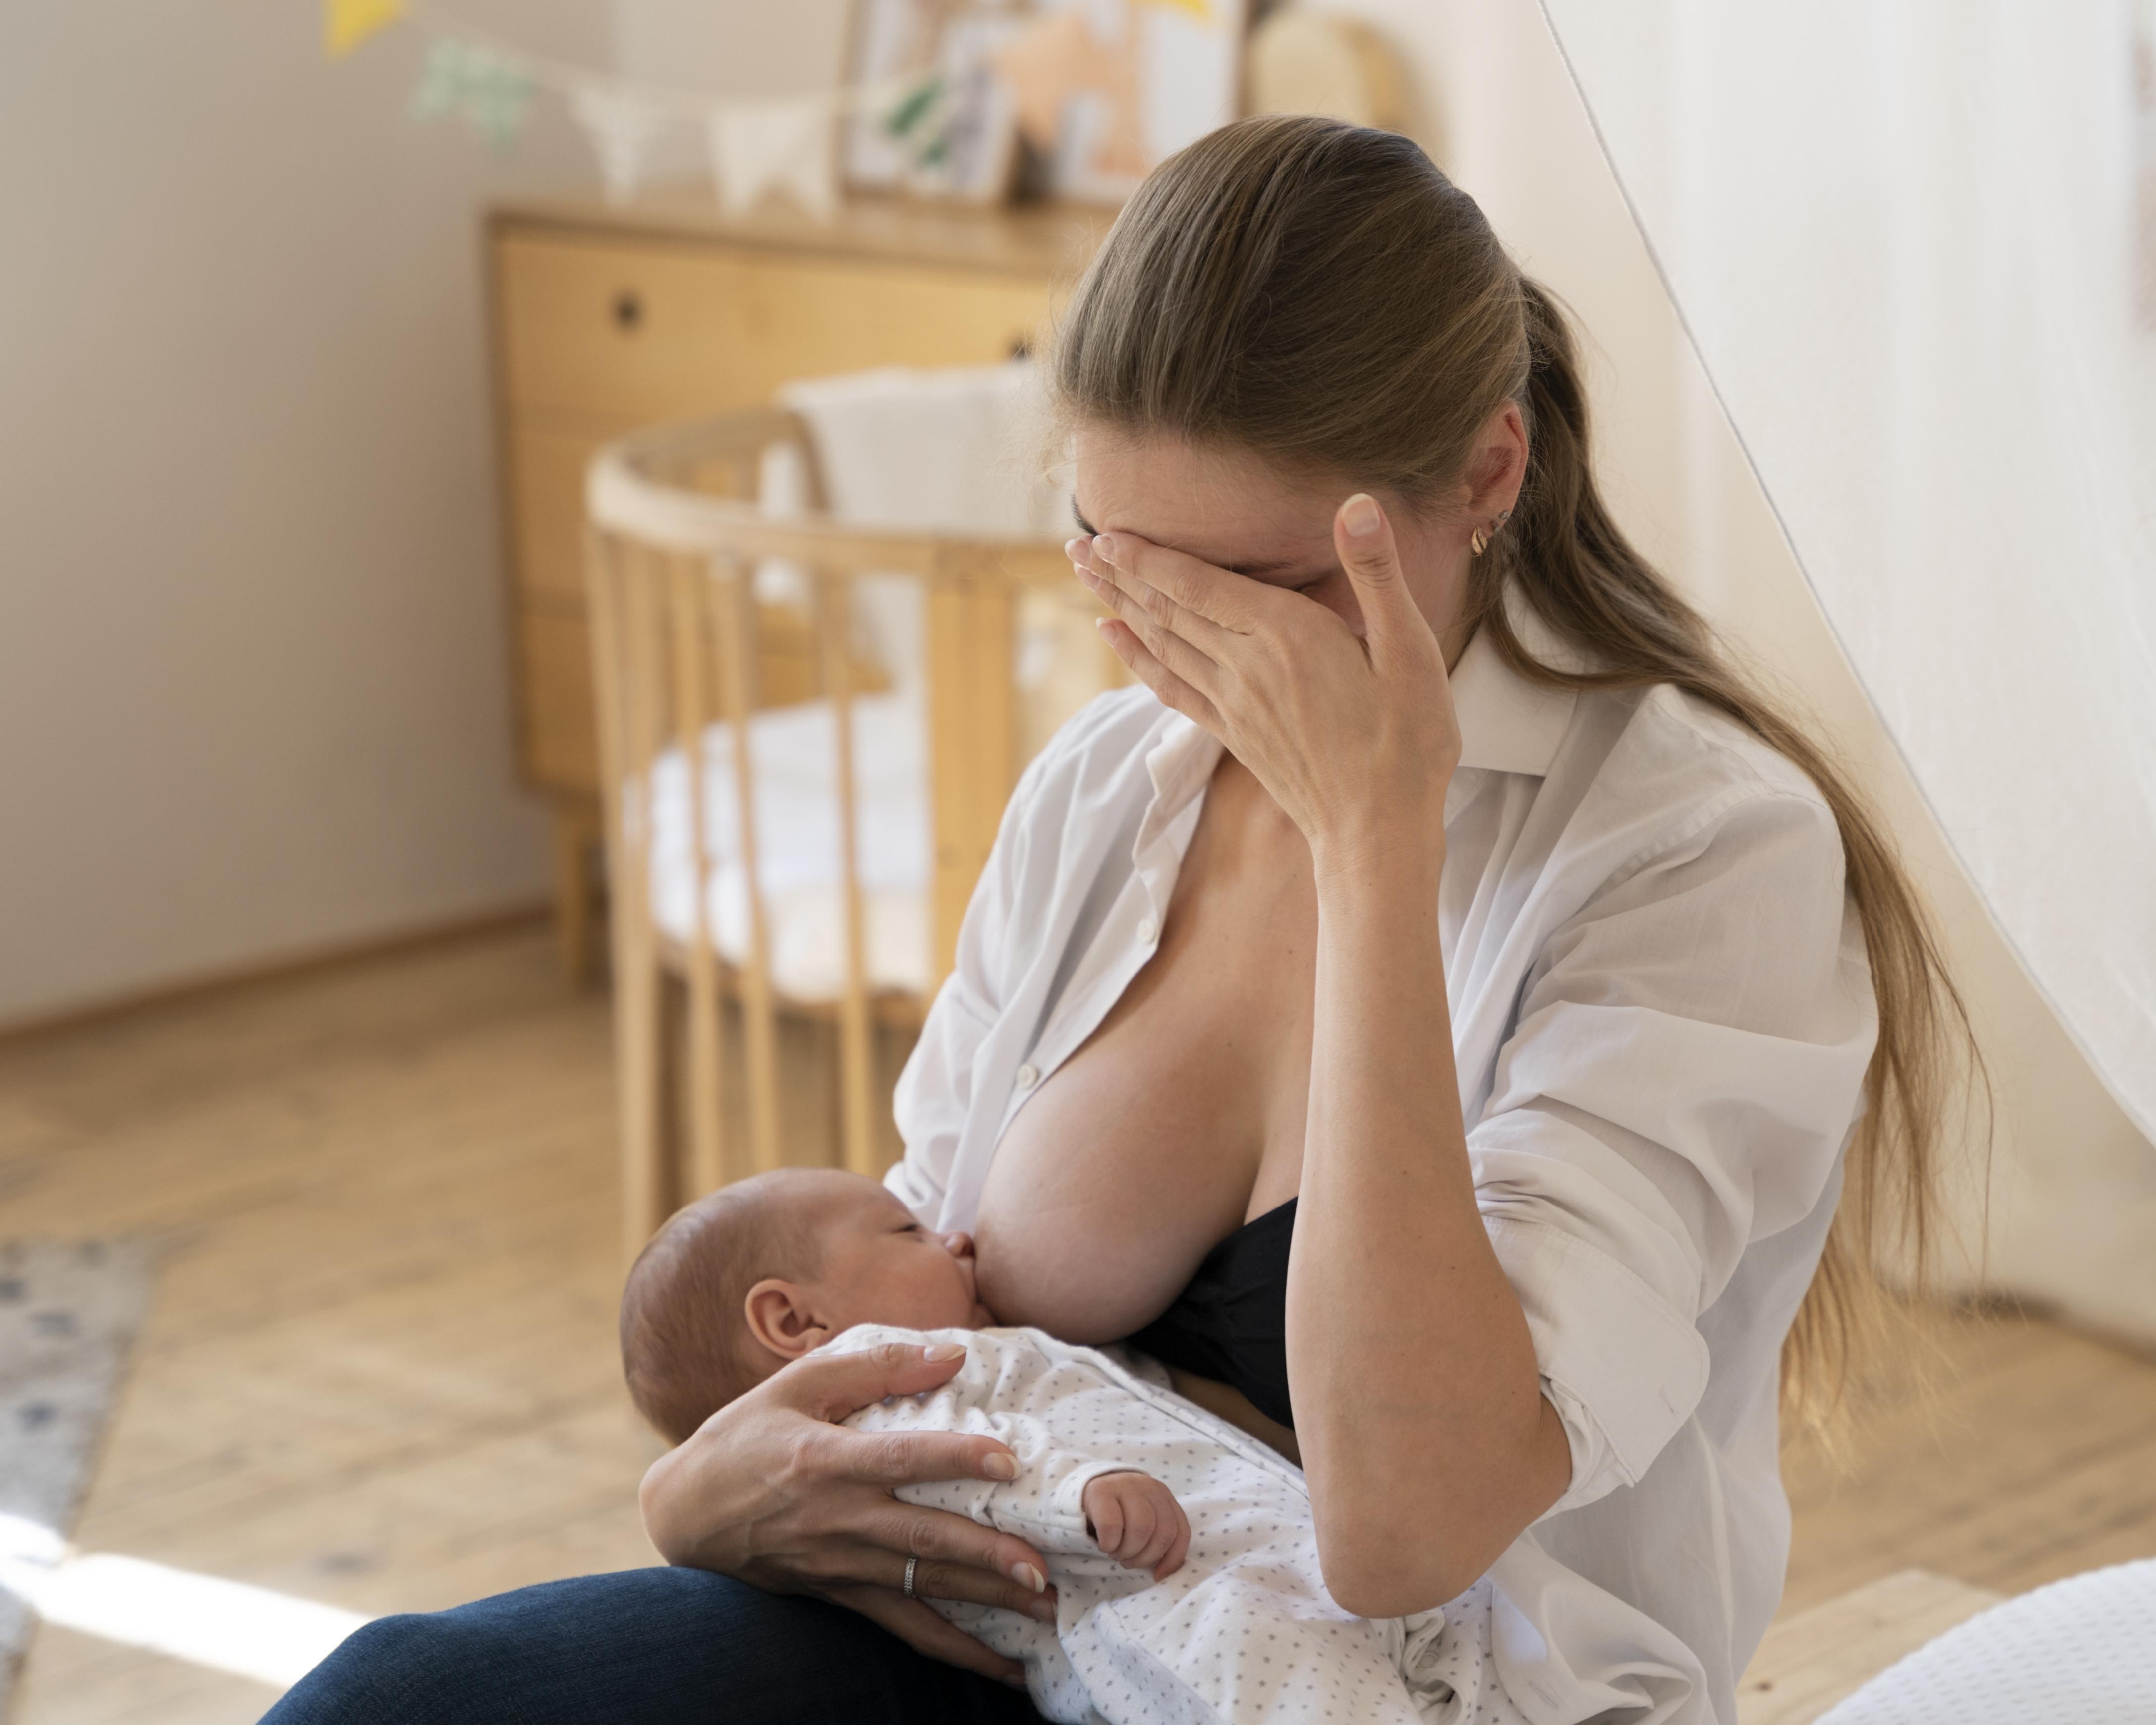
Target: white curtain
1914 242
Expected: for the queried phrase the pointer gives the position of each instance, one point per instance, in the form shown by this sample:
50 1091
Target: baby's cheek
949 1302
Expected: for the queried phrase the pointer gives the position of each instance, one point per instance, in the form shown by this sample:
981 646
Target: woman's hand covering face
1353 735
773 1489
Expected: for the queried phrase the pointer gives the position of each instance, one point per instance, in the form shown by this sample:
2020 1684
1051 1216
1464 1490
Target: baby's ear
781 1319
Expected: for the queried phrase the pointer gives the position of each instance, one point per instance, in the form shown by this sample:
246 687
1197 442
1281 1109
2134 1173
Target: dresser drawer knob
628 309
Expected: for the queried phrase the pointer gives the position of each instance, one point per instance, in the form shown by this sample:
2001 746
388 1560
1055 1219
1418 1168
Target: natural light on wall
1914 242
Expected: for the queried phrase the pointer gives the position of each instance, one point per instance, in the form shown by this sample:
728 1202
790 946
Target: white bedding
793 752
2082 1652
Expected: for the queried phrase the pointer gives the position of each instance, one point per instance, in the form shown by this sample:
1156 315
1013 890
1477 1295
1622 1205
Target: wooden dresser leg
576 845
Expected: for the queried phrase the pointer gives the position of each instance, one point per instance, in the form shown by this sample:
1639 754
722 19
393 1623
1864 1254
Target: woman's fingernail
1360 515
1000 1466
941 1351
1025 1575
1104 548
1043 1609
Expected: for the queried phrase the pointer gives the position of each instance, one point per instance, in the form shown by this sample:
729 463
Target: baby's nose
959 1245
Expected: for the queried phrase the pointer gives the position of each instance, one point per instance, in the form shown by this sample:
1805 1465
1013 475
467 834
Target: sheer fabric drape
1914 242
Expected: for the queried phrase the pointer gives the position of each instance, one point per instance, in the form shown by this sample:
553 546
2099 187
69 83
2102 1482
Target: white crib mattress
2082 1652
793 752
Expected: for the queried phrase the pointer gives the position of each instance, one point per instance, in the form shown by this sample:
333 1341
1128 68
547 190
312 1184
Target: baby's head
763 1270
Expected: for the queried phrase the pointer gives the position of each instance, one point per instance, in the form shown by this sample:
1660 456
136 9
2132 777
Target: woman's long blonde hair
1321 295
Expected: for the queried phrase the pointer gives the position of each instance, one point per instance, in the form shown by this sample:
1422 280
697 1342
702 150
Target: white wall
253 684
253 694
732 47
2072 1192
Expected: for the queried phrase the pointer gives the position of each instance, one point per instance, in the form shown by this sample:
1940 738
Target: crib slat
973 730
688 492
693 715
734 605
856 1048
624 663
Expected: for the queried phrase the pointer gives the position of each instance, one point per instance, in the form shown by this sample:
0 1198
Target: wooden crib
709 687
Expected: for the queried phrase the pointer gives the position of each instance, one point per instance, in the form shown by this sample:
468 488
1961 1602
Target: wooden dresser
606 318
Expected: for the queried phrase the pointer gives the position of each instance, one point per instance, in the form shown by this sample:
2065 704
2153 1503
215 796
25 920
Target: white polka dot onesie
1245 1631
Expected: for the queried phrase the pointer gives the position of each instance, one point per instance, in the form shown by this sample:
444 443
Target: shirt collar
1508 724
1180 760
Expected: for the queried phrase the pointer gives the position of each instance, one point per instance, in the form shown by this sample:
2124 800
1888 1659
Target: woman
1438 1012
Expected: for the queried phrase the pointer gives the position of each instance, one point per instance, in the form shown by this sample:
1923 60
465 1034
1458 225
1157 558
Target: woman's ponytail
1576 569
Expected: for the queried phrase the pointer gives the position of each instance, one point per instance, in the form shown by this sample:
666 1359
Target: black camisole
1230 1324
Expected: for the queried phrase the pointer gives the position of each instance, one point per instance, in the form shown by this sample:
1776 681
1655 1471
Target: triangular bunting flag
758 147
347 23
621 126
491 92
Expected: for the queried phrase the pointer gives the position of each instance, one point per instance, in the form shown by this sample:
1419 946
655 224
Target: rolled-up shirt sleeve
1688 1053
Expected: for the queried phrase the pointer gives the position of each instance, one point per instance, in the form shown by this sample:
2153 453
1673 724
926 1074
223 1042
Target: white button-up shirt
1661 1018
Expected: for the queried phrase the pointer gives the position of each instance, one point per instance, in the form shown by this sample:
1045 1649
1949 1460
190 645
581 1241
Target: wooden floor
380 1367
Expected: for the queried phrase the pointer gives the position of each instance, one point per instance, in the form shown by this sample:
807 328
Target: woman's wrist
1389 862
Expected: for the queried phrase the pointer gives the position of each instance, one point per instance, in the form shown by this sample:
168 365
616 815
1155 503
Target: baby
709 1313
1182 1549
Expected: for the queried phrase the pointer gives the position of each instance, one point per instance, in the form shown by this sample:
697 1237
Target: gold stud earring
1478 542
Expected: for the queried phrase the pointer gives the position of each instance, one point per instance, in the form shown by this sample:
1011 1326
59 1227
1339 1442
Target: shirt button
1148 932
1028 1076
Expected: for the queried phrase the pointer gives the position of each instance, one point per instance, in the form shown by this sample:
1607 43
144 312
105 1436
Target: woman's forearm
1425 1437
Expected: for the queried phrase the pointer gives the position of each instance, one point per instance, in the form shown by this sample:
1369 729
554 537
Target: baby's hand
1136 1520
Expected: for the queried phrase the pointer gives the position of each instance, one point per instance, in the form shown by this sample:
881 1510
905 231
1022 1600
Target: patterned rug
68 1315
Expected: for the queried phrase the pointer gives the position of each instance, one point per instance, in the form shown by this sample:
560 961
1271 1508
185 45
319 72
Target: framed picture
1079 98
929 116
1108 89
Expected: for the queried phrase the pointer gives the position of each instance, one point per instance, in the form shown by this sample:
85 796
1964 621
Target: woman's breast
1183 1111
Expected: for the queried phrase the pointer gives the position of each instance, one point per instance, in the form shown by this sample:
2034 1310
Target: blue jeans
643 1647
